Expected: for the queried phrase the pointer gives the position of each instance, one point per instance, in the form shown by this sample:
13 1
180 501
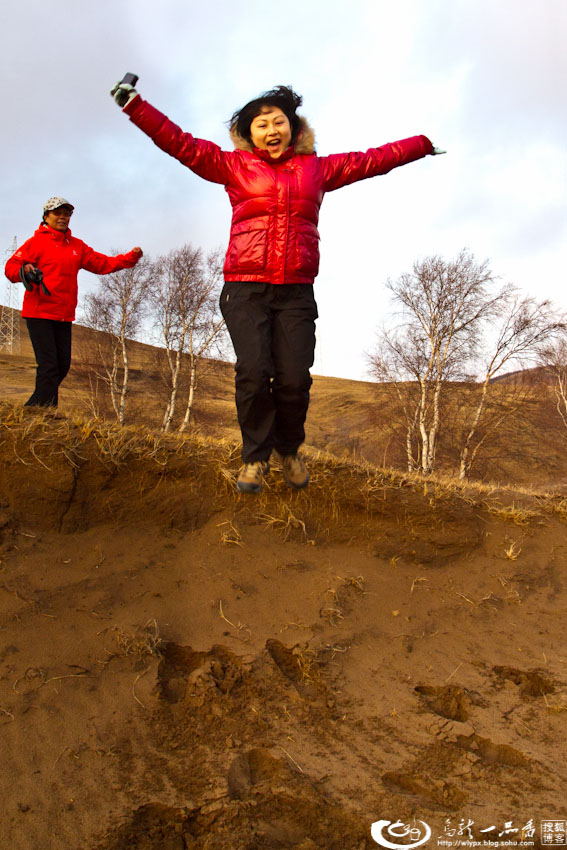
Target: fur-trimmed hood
305 138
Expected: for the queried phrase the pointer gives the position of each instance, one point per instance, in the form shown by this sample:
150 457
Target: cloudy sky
483 79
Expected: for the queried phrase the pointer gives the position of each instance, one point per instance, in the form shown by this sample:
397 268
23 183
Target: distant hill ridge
350 419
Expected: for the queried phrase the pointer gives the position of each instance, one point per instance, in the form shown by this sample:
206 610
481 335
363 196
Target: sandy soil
182 667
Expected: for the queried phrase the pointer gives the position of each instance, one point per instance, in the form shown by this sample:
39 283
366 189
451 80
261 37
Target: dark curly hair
283 97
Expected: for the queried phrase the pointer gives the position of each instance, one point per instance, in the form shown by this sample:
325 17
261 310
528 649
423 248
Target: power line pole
9 315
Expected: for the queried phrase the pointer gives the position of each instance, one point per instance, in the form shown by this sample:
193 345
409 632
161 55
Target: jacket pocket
306 257
248 247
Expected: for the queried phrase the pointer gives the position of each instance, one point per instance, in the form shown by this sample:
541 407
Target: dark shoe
294 472
251 476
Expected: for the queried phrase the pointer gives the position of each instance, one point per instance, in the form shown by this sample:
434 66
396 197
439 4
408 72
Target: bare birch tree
523 326
554 359
442 304
391 365
186 315
451 313
174 277
117 309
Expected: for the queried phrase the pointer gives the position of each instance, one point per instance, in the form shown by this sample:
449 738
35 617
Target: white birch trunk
125 378
172 403
423 427
465 460
561 396
192 385
434 430
112 382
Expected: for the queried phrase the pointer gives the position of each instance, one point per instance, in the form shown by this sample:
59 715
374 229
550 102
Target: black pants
272 328
51 342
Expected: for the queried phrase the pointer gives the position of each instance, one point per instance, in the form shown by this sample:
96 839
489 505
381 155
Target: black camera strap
35 277
25 281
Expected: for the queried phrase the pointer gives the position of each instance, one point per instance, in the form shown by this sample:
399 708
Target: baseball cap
56 202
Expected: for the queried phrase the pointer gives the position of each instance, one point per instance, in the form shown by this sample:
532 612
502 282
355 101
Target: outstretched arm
204 158
341 169
98 263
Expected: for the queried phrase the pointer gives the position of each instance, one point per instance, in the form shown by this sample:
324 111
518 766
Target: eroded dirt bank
185 668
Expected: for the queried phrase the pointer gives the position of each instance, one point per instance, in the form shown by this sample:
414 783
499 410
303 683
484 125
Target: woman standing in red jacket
276 183
48 264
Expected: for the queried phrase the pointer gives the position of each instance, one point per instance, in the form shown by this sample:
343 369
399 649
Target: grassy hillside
350 419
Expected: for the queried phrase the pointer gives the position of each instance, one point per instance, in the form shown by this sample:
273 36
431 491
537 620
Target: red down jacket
275 202
60 256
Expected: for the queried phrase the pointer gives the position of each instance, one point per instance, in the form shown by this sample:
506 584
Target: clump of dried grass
557 506
556 707
141 643
332 613
334 610
230 535
357 582
513 551
514 513
306 662
285 521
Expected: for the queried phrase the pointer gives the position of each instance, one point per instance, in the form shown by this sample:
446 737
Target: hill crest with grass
353 420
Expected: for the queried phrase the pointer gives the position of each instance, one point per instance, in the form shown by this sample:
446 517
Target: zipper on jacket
287 171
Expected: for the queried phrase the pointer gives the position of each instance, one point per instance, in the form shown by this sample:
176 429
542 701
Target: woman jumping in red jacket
48 265
276 183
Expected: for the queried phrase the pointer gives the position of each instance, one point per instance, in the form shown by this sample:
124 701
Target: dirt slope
183 667
350 419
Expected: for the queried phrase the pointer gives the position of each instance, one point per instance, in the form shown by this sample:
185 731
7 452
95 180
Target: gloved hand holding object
123 92
29 275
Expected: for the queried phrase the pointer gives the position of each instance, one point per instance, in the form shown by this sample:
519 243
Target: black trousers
272 328
51 342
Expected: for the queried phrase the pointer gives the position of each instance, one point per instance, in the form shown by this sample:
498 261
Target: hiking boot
251 476
294 472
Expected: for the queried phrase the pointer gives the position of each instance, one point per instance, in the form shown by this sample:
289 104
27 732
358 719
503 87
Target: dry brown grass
336 603
306 662
512 553
144 641
352 420
230 535
338 488
557 506
514 513
285 522
557 707
45 434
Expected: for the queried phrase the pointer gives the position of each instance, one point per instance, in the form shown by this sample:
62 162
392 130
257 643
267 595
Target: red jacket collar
44 228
